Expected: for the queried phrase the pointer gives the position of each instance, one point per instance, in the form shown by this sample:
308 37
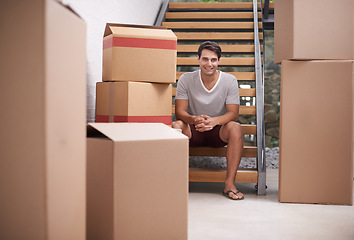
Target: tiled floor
212 216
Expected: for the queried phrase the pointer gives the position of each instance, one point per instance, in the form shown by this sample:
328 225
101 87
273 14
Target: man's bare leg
232 134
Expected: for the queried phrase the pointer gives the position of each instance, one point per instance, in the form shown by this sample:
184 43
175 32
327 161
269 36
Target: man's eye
213 60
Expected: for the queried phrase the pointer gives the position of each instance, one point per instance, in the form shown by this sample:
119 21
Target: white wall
97 13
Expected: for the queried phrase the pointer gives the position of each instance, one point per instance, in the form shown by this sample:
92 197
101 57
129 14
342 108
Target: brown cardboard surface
140 54
133 102
313 29
100 189
316 149
43 102
129 166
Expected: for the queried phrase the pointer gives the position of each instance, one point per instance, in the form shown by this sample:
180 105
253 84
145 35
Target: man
207 107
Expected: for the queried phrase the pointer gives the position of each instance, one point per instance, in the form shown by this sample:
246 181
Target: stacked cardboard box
139 65
137 181
133 102
316 54
43 124
313 29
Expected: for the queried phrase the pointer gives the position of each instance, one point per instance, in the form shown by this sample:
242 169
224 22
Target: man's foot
233 195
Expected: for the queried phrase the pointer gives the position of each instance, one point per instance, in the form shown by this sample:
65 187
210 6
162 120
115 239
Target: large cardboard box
313 29
43 123
316 132
137 181
353 118
139 53
133 102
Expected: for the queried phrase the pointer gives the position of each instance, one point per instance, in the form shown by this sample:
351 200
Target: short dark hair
210 45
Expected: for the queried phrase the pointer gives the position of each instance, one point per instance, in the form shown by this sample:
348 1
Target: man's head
209 54
212 46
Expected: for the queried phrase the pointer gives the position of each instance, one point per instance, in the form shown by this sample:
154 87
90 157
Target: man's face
208 62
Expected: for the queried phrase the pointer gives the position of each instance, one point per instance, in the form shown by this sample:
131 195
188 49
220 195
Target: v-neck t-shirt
208 102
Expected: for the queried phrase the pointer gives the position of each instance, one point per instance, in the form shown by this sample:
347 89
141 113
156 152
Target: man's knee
234 130
178 124
234 127
183 126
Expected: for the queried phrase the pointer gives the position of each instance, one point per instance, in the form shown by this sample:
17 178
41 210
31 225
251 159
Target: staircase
231 25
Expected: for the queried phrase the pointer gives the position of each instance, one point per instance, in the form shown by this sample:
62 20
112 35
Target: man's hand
204 123
198 120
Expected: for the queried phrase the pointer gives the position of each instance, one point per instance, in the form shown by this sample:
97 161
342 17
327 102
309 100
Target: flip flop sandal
226 194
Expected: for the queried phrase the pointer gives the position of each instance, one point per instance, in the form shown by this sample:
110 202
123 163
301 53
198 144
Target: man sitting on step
207 107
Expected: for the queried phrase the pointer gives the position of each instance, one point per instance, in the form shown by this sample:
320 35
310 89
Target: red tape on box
102 118
147 119
137 119
139 43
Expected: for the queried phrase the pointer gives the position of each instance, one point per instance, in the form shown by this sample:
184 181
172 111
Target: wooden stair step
247 110
241 61
219 175
247 92
216 35
181 48
244 76
219 5
241 76
249 129
210 25
211 15
248 151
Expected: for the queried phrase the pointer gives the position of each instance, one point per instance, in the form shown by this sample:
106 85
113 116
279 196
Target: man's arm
182 114
230 115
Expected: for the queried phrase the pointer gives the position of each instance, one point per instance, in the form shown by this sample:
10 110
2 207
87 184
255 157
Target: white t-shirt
208 102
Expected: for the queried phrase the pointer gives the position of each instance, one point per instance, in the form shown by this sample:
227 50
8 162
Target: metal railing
261 160
161 14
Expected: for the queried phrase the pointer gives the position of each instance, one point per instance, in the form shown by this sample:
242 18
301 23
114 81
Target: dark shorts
206 139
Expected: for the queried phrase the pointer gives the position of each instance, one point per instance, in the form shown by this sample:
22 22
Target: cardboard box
313 29
43 123
137 181
316 132
139 53
133 102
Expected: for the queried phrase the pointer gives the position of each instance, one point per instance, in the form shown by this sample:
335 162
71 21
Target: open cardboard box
137 181
139 53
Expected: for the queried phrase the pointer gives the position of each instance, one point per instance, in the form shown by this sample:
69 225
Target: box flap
94 133
139 31
119 132
108 30
67 6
